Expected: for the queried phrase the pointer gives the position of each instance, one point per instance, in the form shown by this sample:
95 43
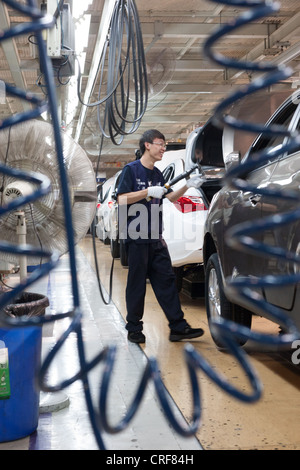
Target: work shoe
136 337
187 333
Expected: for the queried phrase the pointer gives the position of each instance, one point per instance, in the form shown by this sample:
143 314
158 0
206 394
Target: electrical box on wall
60 40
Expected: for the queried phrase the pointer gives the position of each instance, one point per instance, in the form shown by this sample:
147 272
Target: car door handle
254 199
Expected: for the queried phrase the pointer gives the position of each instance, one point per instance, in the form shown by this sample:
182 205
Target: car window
297 148
282 118
105 195
298 129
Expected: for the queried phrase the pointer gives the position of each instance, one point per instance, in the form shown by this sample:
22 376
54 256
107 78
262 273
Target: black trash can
20 359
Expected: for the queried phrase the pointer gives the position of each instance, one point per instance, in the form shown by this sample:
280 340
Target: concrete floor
226 423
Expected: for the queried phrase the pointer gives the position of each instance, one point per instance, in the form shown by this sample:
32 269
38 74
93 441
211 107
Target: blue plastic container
19 410
19 413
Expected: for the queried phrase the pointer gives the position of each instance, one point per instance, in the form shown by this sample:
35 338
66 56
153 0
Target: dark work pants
151 260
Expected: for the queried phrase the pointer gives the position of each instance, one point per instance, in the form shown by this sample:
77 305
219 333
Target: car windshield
275 141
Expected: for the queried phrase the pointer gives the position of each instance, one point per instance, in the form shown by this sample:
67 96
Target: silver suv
232 206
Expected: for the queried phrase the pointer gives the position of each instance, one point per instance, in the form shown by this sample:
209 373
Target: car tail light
98 205
190 204
110 204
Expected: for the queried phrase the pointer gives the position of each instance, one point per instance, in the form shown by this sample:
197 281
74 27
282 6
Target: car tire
115 248
106 239
217 304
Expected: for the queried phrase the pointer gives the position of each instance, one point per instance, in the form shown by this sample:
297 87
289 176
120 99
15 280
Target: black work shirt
140 221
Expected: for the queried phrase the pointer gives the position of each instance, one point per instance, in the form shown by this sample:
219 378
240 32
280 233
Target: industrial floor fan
30 146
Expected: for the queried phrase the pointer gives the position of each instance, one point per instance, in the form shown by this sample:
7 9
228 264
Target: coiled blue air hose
124 57
194 361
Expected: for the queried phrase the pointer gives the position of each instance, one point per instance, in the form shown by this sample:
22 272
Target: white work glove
156 191
195 182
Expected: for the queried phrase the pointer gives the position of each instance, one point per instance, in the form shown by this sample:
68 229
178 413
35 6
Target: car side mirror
232 159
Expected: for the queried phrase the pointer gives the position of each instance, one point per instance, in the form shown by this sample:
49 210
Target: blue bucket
19 413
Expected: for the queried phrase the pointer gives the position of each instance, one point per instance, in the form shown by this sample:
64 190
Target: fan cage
30 147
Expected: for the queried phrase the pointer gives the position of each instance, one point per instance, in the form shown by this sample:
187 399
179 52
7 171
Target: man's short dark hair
149 136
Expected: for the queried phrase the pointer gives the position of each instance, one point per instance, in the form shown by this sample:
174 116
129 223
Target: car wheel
217 304
115 248
106 239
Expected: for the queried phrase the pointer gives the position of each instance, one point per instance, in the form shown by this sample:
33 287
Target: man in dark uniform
140 194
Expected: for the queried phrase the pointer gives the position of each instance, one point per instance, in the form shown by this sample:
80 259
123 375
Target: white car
183 220
107 215
103 211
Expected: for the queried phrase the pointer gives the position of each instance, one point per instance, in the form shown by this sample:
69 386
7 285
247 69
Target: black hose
123 90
